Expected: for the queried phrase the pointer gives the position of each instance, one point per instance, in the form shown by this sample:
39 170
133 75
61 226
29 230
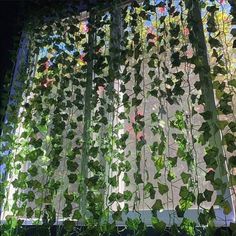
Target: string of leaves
125 116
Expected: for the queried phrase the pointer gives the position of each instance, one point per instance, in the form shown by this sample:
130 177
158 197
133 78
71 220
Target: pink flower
189 53
140 113
132 118
84 27
129 128
150 30
140 136
45 83
82 57
137 116
161 10
186 32
82 60
199 108
152 35
222 1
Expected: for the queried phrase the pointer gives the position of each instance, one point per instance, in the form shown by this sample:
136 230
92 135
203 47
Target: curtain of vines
127 117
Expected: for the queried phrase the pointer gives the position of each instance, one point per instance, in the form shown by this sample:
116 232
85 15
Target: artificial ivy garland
125 108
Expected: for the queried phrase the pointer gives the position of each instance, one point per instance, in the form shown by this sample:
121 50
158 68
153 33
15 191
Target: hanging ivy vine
123 115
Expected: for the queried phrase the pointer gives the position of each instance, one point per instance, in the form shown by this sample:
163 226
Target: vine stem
87 115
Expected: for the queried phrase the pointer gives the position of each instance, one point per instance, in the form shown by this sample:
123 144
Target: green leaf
76 215
232 161
148 188
137 89
202 218
179 121
218 184
35 184
200 199
42 60
188 226
72 178
163 188
71 134
234 44
219 70
69 197
132 224
125 98
226 207
117 216
210 176
112 197
214 42
151 73
113 181
178 90
151 63
126 179
136 102
138 178
175 59
93 151
128 195
67 210
33 170
29 212
232 226
92 181
172 161
31 196
222 124
211 157
185 194
171 175
154 117
159 162
232 181
157 206
185 177
103 120
207 115
229 139
37 143
42 128
174 230
158 225
122 115
72 165
179 211
34 155
219 200
37 213
232 83
69 225
232 126
208 195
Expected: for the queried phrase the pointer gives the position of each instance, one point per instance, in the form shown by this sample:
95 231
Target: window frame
146 215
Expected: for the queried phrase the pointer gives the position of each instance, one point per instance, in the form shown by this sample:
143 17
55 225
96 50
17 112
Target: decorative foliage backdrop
124 115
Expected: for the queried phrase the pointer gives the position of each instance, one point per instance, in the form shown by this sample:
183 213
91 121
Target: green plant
119 111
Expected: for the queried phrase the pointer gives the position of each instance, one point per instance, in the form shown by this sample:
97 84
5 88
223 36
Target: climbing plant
123 115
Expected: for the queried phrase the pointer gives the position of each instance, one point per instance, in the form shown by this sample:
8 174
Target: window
112 126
